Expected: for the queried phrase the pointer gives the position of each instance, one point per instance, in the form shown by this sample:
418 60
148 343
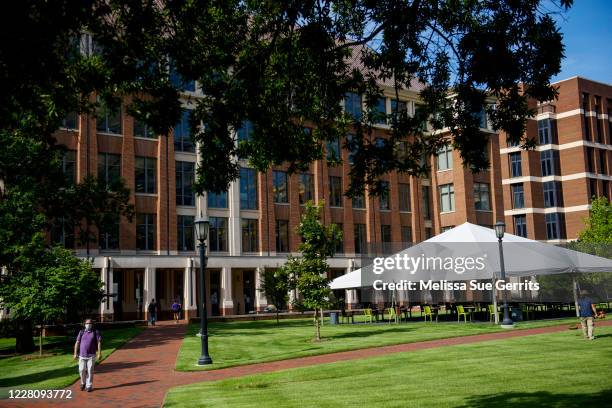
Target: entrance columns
107 307
260 299
227 304
149 290
190 308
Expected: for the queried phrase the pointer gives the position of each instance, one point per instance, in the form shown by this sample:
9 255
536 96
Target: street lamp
201 231
500 229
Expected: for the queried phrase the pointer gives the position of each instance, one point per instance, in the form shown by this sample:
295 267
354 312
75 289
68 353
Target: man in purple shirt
88 346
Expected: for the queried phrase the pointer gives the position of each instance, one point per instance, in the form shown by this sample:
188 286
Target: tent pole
494 290
575 287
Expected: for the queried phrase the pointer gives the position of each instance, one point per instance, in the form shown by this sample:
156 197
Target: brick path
141 372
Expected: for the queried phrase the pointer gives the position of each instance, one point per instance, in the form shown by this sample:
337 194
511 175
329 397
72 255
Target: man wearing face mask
88 346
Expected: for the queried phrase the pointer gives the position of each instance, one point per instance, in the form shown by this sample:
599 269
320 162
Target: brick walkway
141 372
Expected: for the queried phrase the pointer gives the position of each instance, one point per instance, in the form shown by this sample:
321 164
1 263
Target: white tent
522 257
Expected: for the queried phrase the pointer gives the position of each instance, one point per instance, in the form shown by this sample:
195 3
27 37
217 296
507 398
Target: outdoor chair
429 312
367 316
461 312
492 313
392 314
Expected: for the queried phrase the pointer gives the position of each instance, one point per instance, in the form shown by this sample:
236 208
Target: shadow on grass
542 399
25 380
363 333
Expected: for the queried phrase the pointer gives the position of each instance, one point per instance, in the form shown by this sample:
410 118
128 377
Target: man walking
88 346
176 310
152 309
587 313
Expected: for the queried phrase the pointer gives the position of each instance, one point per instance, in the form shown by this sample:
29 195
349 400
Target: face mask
88 326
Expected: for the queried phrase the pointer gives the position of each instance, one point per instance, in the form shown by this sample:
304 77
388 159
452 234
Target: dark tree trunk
24 340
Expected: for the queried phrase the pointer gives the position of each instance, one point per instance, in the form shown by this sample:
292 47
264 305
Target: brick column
227 303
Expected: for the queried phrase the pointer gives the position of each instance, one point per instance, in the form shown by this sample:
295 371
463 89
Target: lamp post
500 229
201 230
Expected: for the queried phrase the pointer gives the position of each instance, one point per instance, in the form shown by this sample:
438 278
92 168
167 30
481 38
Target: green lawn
550 370
240 343
55 371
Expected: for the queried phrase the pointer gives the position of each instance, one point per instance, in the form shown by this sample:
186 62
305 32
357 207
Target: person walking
176 310
87 347
152 309
588 311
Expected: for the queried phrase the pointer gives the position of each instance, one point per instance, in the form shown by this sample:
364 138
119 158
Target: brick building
252 223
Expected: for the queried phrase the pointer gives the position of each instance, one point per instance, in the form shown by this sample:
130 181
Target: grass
559 370
55 369
240 343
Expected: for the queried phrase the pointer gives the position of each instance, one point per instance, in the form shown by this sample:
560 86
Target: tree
275 285
310 270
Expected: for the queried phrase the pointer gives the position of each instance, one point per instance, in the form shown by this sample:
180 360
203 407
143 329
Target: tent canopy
522 257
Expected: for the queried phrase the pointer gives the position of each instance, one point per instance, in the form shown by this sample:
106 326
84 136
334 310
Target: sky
587 35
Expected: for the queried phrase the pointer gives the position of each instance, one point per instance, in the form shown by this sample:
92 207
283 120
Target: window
109 235
547 160
379 111
587 119
352 105
335 191
146 169
216 200
141 129
603 165
248 189
512 143
445 157
69 166
520 225
553 226
518 195
426 197
62 233
605 189
428 232
146 232
182 134
404 197
280 187
109 168
598 110
384 196
400 106
282 236
217 236
185 174
515 164
339 249
590 152
482 119
551 194
108 120
179 82
250 243
306 187
186 238
70 121
447 198
481 197
333 150
592 188
352 147
359 234
245 134
406 234
544 131
385 238
420 115
359 201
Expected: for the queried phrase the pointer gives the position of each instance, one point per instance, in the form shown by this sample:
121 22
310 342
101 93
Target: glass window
69 166
280 187
518 195
481 196
352 105
547 160
141 129
445 157
384 199
340 245
216 200
385 238
380 111
406 234
544 131
146 232
217 235
185 175
146 170
520 225
62 233
553 226
590 152
248 189
515 164
333 150
447 198
109 168
306 187
399 106
603 165
512 143
359 232
250 242
282 236
352 147
552 194
426 198
359 201
179 82
186 237
335 191
182 133
404 196
587 119
108 120
109 235
70 121
245 133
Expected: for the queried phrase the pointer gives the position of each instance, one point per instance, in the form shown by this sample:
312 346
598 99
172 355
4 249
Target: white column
227 303
189 285
260 299
149 288
235 241
107 307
